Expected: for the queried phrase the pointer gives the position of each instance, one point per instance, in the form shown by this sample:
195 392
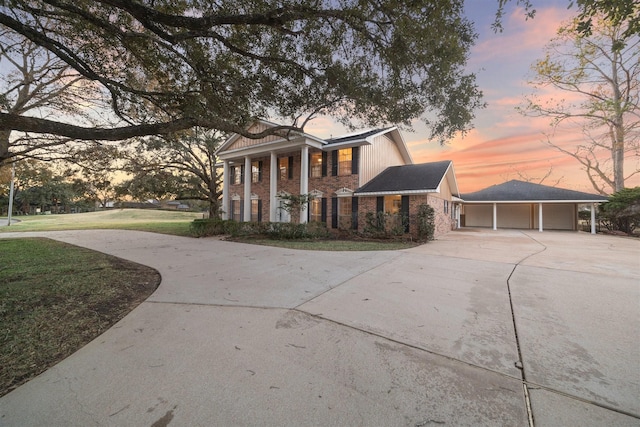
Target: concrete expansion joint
218 305
412 346
535 386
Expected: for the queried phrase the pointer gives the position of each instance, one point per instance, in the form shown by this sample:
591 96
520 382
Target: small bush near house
426 222
375 224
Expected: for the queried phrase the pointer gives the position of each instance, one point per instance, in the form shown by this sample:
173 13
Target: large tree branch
19 123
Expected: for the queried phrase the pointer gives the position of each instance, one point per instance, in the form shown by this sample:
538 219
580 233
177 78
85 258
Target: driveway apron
477 328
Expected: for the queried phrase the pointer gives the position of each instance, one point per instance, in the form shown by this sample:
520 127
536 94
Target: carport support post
593 218
495 216
540 217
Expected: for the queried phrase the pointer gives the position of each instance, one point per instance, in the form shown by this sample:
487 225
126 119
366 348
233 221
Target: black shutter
355 156
323 210
309 165
242 174
354 213
324 163
334 212
379 204
290 167
241 210
259 210
334 163
260 171
231 208
404 212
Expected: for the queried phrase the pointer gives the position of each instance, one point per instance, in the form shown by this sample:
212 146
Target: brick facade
331 189
444 221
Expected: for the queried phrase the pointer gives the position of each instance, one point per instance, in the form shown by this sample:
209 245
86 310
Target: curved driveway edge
443 333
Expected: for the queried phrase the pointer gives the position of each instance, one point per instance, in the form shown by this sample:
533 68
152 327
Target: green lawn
333 245
177 223
166 222
55 298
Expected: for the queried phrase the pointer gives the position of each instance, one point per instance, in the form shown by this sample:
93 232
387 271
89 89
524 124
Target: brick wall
328 185
443 221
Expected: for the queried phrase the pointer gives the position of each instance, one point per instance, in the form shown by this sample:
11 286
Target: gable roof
409 179
521 191
228 144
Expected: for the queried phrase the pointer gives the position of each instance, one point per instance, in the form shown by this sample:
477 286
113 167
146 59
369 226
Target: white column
247 189
273 188
458 209
540 217
304 181
226 179
593 218
495 216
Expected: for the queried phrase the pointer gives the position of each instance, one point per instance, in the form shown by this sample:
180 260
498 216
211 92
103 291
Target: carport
525 205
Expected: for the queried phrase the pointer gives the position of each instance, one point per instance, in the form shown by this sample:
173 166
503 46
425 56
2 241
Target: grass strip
55 298
331 245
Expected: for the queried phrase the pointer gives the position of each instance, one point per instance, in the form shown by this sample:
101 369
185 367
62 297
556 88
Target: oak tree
218 64
182 164
36 82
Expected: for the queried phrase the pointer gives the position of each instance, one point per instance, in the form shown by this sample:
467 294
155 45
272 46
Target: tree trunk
4 145
617 154
617 146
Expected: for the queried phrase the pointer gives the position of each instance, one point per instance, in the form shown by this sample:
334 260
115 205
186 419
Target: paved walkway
477 328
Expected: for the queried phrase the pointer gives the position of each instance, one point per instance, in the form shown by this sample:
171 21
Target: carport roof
409 179
520 191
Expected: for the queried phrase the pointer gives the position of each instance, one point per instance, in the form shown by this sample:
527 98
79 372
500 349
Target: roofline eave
394 193
268 147
533 201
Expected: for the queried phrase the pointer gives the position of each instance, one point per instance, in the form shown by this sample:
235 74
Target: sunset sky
503 143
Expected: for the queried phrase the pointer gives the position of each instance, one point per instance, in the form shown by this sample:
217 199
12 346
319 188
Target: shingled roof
520 191
357 136
407 179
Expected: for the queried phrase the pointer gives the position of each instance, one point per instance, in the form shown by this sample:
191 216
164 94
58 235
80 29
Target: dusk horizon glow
503 145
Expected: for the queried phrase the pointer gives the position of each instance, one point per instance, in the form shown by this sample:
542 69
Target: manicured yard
166 222
55 298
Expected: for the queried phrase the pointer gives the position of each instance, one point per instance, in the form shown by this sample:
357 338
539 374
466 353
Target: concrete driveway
499 328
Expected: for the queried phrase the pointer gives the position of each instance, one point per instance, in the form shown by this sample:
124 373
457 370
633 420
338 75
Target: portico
245 162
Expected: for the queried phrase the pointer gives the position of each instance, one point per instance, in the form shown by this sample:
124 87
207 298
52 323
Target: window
345 161
315 210
236 210
236 174
315 165
284 167
344 213
392 204
255 210
256 171
446 206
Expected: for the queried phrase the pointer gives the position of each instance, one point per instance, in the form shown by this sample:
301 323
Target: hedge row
273 230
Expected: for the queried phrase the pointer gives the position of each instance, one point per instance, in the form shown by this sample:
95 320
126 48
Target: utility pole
13 176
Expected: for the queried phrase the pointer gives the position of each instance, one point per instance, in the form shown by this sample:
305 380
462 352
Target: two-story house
347 177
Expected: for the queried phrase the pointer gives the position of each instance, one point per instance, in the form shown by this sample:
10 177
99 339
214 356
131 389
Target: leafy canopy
169 65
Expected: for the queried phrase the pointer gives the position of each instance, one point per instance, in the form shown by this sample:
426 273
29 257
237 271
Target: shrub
622 211
375 224
272 230
425 219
